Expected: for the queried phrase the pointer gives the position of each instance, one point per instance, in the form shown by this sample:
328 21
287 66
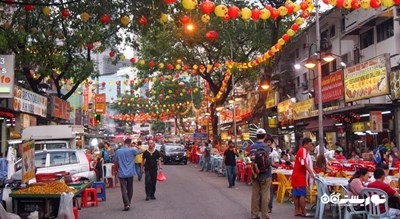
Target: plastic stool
76 214
102 186
93 197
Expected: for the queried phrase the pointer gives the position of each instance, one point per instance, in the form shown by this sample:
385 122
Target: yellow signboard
246 136
303 109
367 79
100 103
28 161
359 126
271 99
285 110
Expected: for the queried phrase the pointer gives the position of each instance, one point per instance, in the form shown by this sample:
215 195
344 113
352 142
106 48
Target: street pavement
187 193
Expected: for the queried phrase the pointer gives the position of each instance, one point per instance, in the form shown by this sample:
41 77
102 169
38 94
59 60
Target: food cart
46 204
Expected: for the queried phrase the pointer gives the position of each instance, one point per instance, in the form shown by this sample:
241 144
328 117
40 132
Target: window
305 79
297 53
343 26
40 159
332 31
325 69
384 30
297 81
367 38
62 158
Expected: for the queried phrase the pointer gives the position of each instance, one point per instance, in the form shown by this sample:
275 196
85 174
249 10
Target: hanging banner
28 161
271 99
303 109
331 86
100 103
285 111
395 85
29 102
375 121
86 98
60 108
6 76
367 79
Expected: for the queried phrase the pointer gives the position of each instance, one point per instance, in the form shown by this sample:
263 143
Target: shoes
139 178
270 211
127 208
153 198
147 198
230 187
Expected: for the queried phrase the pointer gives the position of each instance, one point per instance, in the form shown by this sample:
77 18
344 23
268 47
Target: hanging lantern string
40 3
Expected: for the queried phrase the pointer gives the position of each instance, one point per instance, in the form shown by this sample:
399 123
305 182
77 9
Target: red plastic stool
92 192
76 214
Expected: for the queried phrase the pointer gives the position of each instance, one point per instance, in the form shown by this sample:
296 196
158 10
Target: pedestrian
261 185
110 151
230 155
98 166
302 172
139 160
150 164
124 158
275 160
207 157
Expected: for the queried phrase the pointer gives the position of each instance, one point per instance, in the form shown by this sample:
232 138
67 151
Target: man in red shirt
379 175
302 165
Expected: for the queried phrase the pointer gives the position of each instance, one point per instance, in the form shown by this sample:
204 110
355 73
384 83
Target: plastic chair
285 186
336 166
312 193
356 167
370 168
76 213
349 210
109 174
278 184
92 193
374 211
102 193
322 189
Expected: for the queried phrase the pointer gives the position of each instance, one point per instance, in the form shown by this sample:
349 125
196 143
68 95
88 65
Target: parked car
73 161
173 153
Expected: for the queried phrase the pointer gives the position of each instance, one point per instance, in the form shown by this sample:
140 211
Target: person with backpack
379 153
230 155
302 171
262 175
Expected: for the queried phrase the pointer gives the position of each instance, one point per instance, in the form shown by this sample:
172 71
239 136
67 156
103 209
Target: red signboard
332 87
100 103
86 98
60 108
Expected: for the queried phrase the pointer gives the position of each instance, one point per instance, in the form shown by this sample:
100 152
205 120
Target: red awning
328 124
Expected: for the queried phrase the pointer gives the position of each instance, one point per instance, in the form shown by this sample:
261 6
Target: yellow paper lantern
300 20
296 7
142 62
387 3
195 67
164 18
364 4
209 68
169 77
310 7
205 18
185 73
161 65
178 67
170 91
245 13
221 11
291 32
189 4
154 79
282 11
333 2
281 42
347 4
46 11
125 20
85 16
265 14
122 57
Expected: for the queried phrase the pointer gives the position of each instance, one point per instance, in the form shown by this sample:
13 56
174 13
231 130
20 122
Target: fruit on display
55 187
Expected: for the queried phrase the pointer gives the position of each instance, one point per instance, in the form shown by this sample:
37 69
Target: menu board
367 79
303 109
285 110
28 161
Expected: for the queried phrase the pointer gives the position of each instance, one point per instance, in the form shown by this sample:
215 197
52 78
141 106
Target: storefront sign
271 99
395 85
303 109
100 103
359 127
6 76
246 136
86 98
29 102
28 161
375 120
332 87
285 111
60 108
368 79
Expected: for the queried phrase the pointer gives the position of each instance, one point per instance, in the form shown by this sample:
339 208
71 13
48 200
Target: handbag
161 177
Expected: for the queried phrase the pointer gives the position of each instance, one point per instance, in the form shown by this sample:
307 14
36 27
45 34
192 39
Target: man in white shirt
330 155
317 150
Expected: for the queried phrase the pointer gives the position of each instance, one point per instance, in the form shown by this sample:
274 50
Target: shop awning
327 124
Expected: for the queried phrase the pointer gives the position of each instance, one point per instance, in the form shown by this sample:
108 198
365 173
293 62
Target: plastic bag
65 210
161 177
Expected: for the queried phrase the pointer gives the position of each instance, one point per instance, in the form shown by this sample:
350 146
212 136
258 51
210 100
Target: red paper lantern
185 67
169 1
207 7
397 2
152 64
304 5
226 17
185 19
375 4
142 20
233 12
285 37
355 4
275 13
162 78
290 8
305 14
269 8
103 83
9 2
255 14
90 46
131 82
65 13
326 1
28 7
212 35
133 60
170 66
339 3
105 19
295 27
177 75
181 84
111 54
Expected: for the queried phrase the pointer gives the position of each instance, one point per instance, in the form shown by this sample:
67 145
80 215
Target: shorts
300 191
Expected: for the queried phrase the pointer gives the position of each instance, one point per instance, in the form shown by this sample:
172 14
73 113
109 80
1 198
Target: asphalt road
187 193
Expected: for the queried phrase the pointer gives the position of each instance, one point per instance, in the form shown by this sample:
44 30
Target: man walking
261 181
150 164
302 168
138 160
207 157
124 158
230 155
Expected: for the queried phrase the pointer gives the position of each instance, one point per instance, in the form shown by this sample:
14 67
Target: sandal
307 215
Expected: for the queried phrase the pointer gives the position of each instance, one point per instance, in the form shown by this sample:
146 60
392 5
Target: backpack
105 156
262 161
377 155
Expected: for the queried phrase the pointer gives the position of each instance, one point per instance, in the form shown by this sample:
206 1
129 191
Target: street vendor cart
46 204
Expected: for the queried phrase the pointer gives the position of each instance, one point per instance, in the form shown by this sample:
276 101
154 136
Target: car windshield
174 149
